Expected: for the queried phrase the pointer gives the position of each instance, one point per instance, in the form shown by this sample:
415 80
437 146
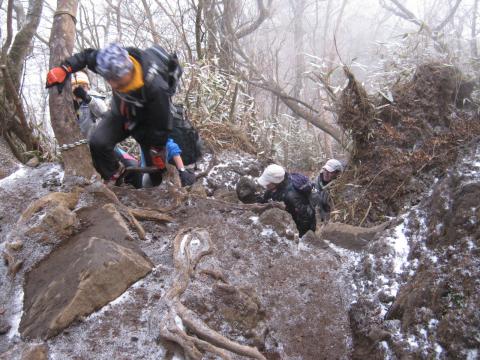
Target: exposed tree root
13 265
146 214
256 208
200 329
217 275
132 215
190 246
69 200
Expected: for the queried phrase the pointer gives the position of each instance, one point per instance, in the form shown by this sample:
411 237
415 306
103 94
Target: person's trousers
109 132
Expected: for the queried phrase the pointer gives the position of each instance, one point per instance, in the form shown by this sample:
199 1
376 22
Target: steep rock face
83 274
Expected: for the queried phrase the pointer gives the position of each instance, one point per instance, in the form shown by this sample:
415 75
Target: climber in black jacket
140 107
293 190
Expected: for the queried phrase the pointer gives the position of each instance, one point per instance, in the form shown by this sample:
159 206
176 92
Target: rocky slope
83 284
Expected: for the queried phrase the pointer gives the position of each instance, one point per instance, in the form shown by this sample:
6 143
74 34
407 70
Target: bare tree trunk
153 30
211 28
473 41
198 29
13 122
298 43
77 161
298 107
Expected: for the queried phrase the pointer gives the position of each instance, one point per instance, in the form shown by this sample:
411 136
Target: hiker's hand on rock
80 92
57 77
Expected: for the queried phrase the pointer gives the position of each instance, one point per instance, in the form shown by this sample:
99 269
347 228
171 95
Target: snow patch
267 232
182 244
17 315
179 323
195 243
432 323
20 173
412 341
399 243
438 349
472 354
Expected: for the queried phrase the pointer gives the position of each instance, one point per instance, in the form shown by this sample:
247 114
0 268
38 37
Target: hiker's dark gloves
57 77
80 92
186 177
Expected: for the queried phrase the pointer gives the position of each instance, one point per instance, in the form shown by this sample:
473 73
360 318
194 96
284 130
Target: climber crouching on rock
140 105
294 191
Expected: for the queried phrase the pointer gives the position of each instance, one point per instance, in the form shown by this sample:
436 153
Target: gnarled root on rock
131 214
182 325
13 265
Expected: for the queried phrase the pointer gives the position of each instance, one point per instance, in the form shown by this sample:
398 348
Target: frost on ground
17 191
411 292
258 285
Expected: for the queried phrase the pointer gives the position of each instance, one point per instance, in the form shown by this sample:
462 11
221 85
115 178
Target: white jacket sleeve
98 107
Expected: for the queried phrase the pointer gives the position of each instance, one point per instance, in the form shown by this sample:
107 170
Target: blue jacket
172 150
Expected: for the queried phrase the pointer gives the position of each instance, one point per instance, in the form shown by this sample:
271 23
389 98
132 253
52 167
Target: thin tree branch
8 40
448 18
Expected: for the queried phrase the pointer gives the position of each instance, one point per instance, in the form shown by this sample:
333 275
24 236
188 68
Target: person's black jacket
320 198
144 112
296 203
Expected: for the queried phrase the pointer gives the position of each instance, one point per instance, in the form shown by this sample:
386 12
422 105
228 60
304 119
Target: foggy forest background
262 76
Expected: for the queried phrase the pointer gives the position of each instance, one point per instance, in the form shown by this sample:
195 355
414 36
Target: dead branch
406 14
145 214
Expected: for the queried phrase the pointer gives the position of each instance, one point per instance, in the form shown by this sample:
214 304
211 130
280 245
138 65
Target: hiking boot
117 178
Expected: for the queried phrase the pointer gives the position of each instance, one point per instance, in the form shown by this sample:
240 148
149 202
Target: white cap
333 165
80 78
273 174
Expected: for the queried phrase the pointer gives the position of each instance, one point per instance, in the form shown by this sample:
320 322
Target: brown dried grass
401 148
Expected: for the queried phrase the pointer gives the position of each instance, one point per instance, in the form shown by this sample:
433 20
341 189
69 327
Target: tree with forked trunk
14 125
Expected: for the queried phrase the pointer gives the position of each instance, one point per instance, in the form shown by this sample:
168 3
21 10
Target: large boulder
83 274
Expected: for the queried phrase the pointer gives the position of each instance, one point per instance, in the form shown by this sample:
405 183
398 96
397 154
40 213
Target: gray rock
33 162
280 220
82 275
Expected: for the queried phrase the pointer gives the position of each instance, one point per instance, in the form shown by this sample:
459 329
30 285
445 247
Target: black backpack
185 135
301 183
166 65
